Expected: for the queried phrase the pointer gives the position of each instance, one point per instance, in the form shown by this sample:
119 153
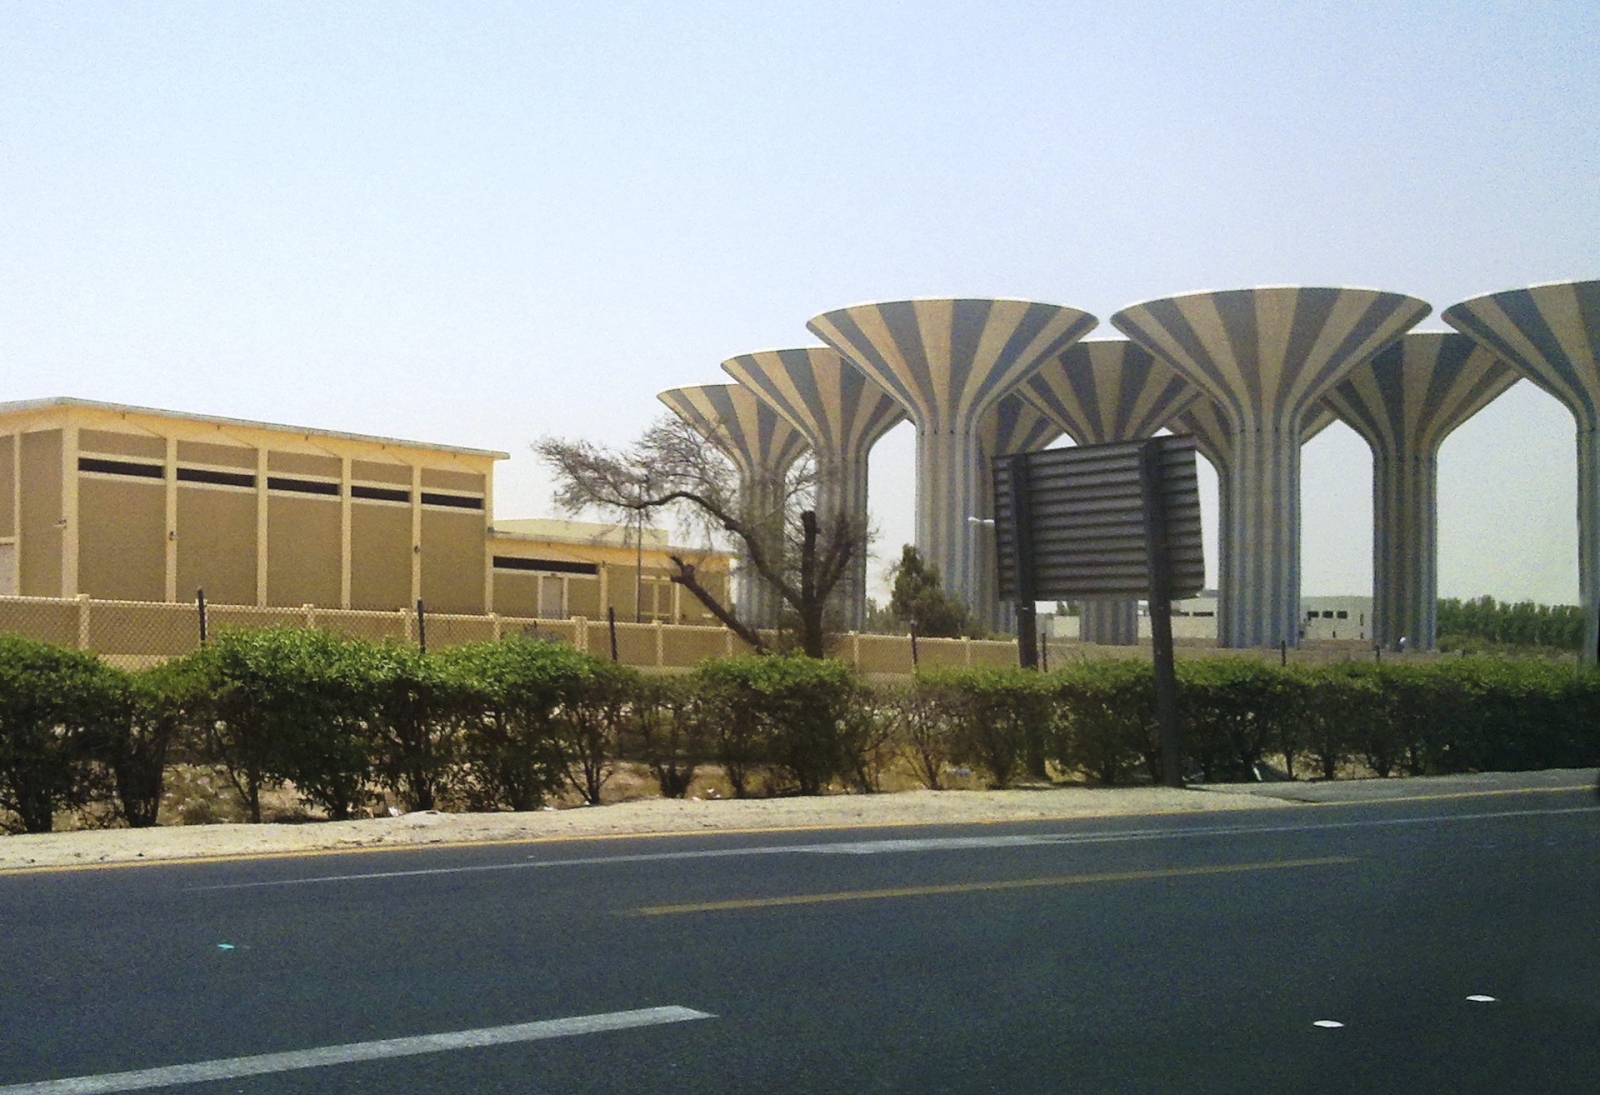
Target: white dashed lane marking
234 1067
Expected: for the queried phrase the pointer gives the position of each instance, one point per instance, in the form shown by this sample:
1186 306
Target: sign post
1104 521
1166 679
1022 513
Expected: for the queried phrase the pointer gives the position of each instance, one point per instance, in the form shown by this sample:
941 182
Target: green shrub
513 692
53 703
157 709
591 724
794 713
1231 711
998 717
670 731
921 729
414 727
291 704
1105 723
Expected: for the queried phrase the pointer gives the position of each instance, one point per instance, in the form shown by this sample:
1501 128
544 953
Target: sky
480 223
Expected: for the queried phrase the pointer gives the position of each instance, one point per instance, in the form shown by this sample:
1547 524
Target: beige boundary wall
136 633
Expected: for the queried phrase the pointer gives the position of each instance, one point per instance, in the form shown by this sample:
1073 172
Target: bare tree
671 469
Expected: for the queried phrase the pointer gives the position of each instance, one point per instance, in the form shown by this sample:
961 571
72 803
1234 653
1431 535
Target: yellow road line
984 887
575 838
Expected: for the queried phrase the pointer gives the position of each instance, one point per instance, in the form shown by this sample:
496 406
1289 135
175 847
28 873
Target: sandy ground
104 847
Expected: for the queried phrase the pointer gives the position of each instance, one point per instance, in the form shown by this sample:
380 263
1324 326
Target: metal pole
611 623
1155 532
1021 526
200 602
913 630
422 629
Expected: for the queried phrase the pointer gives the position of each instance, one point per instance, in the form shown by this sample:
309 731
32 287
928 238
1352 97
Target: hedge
515 724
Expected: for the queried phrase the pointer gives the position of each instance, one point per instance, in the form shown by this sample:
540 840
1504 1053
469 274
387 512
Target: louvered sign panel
1086 516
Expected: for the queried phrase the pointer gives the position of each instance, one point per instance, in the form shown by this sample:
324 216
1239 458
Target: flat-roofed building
554 569
135 504
130 503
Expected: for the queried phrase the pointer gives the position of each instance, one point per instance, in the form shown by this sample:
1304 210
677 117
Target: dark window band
302 486
549 566
380 494
121 467
216 478
458 501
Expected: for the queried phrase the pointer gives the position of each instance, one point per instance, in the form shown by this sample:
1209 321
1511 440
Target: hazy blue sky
477 223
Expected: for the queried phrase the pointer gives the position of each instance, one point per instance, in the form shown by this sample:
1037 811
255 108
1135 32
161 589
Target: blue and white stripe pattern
1267 356
1405 402
762 447
1204 420
1013 426
842 414
1551 334
1108 390
948 362
1100 392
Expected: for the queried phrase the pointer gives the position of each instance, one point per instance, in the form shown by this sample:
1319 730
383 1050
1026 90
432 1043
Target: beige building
134 504
555 569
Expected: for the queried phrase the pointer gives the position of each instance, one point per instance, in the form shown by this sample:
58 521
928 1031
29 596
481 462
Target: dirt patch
96 847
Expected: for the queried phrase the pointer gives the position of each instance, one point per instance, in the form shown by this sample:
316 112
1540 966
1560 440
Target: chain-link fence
134 633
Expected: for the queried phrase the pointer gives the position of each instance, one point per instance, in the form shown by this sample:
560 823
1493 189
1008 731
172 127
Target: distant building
1335 618
1321 618
135 504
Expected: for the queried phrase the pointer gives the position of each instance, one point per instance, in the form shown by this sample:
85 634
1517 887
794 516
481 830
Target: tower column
842 415
948 363
762 447
1404 402
1102 392
1551 334
1267 356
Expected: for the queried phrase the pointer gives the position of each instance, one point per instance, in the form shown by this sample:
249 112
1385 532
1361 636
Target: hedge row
510 725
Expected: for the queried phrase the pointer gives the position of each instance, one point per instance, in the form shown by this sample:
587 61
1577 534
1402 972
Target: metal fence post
422 629
200 606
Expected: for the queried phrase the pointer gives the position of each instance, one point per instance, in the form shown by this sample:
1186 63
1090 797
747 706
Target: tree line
513 725
1484 620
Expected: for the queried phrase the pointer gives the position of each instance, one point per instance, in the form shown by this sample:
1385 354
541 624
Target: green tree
919 601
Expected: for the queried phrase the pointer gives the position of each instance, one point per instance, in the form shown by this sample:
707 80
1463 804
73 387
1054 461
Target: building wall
304 549
380 553
1336 618
122 541
8 514
128 504
39 550
217 542
452 559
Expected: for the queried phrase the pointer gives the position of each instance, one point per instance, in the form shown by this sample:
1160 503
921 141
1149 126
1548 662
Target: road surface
1448 944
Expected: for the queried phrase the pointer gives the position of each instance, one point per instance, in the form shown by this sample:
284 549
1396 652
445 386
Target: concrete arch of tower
1266 357
948 363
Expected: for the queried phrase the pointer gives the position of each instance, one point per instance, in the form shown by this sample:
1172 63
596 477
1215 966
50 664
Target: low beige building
134 504
555 569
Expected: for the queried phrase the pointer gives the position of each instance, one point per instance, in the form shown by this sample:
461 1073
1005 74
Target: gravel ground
93 848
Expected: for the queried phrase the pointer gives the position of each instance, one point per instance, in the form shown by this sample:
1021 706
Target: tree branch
689 579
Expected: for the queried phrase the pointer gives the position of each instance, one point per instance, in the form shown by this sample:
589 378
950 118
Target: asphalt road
1170 954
